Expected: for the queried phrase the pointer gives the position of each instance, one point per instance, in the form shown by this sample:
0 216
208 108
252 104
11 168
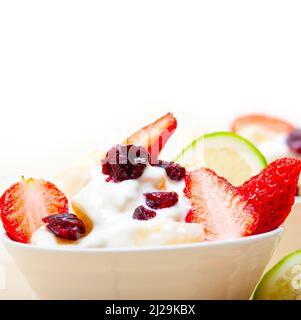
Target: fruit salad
274 137
130 197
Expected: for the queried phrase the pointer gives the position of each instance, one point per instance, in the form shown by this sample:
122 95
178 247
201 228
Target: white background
79 75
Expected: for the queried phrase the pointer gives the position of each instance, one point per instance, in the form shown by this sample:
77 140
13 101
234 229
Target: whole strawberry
272 192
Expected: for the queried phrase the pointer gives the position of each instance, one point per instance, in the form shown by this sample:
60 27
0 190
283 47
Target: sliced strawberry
218 206
154 136
273 124
25 203
272 192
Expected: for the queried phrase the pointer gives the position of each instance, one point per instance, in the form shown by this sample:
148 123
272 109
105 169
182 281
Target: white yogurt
272 145
276 148
110 207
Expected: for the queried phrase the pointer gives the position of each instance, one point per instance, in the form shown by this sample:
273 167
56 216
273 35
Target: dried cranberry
141 213
294 141
160 200
65 225
125 162
173 170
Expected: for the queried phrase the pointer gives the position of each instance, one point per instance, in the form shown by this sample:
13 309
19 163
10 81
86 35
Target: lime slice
228 154
283 281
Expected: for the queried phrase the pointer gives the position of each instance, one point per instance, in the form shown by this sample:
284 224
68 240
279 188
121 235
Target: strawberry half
218 206
154 136
25 203
273 124
272 192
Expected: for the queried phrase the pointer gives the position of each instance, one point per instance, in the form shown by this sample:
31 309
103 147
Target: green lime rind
266 283
227 134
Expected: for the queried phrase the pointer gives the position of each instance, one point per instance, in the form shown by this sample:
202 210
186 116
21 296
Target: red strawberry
154 136
273 124
218 206
25 203
272 192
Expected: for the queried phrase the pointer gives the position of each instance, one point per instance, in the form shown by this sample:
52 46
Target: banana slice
74 178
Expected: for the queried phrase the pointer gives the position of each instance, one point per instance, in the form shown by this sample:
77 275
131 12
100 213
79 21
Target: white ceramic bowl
217 270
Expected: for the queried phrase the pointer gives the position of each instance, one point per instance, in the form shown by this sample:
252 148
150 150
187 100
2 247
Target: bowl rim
186 246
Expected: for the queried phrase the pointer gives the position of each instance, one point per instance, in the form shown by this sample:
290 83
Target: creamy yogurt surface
273 146
276 148
110 207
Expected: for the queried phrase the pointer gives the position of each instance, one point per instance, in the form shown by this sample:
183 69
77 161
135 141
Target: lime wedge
228 154
283 281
